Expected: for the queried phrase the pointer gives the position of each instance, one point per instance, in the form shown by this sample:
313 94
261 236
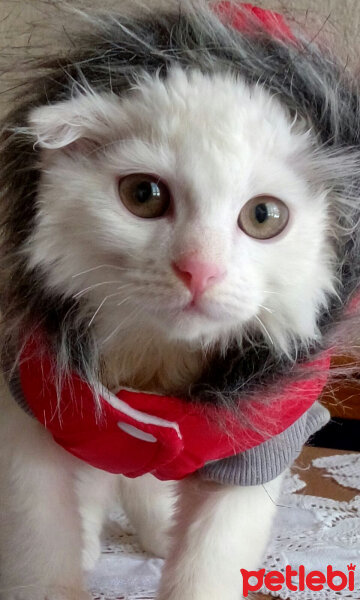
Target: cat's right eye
144 195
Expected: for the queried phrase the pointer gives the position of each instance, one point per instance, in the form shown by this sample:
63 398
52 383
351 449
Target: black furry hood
306 78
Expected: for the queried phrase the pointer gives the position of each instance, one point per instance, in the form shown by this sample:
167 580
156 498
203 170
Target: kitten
179 209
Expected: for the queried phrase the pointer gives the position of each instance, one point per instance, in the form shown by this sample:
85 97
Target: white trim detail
137 433
135 414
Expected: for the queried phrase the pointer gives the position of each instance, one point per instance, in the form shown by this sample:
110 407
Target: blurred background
345 14
341 15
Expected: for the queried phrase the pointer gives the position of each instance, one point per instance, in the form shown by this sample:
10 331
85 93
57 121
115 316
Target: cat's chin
199 323
195 326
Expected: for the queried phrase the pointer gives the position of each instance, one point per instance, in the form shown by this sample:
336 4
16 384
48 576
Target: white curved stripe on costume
136 433
135 414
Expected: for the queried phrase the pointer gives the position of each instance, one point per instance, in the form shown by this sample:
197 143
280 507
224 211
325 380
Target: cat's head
186 205
192 195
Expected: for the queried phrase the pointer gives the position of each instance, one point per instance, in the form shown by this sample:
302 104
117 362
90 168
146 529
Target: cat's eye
144 196
263 217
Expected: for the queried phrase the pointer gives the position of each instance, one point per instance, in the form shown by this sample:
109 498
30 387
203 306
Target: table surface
324 487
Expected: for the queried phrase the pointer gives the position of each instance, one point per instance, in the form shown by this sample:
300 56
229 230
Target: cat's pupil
261 213
145 191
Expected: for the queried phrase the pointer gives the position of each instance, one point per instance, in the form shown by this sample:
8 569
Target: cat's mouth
212 310
193 307
199 307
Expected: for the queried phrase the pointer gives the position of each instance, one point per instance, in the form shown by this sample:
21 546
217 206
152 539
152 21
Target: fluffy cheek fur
243 145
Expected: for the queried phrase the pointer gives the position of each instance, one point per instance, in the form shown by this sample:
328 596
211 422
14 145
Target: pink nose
198 276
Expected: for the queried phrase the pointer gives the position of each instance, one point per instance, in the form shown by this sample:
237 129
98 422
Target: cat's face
186 208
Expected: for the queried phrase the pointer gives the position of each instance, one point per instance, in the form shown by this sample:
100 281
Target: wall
344 14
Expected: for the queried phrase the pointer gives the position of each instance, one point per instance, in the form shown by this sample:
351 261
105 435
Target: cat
179 209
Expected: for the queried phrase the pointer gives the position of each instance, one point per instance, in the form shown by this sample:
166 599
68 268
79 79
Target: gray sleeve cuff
266 461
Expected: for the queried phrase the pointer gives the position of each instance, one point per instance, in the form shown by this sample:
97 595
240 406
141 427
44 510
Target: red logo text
274 581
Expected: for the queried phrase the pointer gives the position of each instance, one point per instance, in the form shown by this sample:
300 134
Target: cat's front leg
40 531
96 492
219 530
149 504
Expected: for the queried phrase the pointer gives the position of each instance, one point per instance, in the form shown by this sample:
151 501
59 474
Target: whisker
100 267
100 307
271 292
95 285
123 301
130 316
266 308
263 326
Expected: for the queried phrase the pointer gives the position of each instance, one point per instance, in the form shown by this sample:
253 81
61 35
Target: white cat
158 211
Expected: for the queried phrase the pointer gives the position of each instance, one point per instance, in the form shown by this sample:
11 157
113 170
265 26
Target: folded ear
91 117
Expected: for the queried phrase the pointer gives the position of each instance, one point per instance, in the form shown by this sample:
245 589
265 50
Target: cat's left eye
263 217
144 196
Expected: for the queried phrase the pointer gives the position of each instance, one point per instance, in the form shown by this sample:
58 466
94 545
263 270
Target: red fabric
246 16
187 437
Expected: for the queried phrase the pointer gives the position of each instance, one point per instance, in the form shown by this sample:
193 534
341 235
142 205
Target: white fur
217 143
40 530
219 530
95 491
216 531
149 504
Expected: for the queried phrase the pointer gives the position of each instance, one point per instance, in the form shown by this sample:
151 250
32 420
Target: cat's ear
92 118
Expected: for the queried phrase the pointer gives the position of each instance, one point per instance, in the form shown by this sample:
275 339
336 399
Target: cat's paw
184 595
182 591
32 593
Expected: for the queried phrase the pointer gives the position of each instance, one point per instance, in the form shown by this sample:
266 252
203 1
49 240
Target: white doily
308 530
315 532
345 469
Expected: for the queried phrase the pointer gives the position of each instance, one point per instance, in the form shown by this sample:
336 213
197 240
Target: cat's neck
152 363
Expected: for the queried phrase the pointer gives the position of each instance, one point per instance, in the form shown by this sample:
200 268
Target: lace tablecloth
309 530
